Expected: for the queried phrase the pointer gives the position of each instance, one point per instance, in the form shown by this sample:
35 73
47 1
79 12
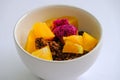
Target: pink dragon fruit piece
60 22
64 30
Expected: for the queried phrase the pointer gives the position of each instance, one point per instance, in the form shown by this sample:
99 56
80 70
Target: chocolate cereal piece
40 42
80 32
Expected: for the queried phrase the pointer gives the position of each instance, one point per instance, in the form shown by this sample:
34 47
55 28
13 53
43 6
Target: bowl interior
86 21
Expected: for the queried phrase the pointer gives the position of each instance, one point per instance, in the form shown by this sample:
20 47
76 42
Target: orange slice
71 47
43 53
30 43
42 30
89 41
78 39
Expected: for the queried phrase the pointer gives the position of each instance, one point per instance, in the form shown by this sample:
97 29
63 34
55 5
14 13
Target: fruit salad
59 39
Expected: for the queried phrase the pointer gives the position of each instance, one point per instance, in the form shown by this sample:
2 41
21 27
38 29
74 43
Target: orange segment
42 30
43 53
30 43
71 47
78 39
89 41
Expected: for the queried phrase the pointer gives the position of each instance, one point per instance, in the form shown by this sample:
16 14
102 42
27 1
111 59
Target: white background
107 66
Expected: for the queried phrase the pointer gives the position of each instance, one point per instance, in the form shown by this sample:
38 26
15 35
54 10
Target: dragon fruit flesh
64 30
60 22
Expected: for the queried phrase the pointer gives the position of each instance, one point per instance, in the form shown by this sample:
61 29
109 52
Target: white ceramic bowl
57 70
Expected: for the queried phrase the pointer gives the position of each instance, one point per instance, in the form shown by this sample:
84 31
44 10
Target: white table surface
107 66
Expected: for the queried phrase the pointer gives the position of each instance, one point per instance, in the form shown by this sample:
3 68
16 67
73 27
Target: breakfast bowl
57 70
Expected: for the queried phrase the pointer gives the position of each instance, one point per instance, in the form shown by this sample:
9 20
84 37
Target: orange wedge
43 53
89 41
71 47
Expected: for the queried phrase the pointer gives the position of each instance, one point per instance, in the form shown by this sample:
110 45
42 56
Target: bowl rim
50 6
